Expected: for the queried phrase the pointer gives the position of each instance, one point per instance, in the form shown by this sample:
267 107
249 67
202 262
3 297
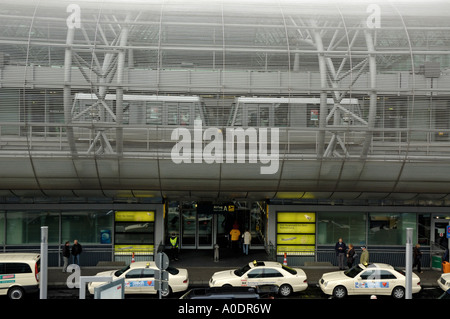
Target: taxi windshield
121 271
239 272
352 272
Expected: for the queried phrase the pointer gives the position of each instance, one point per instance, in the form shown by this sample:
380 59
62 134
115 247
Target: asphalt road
312 292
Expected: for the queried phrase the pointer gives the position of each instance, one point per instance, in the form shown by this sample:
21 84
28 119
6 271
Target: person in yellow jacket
364 259
235 237
174 246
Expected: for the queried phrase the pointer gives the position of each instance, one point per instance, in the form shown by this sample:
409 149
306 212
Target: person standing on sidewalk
76 252
417 255
340 249
247 236
174 246
235 236
364 256
66 255
351 255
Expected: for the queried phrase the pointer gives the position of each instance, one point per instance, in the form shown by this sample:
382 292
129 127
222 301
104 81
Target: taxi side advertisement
7 279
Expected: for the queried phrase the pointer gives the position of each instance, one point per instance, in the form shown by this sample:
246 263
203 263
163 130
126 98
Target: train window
154 113
312 111
264 114
281 115
185 112
172 114
198 112
252 112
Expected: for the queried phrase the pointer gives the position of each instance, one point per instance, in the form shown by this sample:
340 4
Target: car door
365 282
273 277
253 277
384 282
133 281
148 281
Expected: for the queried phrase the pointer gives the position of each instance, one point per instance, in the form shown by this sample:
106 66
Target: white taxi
444 281
375 279
258 273
140 278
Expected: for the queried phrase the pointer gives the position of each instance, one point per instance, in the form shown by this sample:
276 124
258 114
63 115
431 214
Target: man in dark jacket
341 250
417 254
76 252
66 255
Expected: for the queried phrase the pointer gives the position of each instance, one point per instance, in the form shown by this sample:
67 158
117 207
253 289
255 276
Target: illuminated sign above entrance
223 208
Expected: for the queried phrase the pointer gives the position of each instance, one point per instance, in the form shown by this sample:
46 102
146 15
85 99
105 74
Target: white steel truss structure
391 57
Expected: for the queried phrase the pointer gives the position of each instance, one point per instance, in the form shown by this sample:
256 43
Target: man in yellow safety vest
174 245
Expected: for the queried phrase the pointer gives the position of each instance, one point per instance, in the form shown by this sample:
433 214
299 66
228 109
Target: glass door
196 229
439 232
439 240
188 228
204 230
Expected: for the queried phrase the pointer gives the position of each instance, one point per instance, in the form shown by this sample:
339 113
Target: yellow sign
148 249
286 228
296 239
297 217
295 250
135 216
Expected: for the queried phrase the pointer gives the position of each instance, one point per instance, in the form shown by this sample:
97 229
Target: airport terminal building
123 122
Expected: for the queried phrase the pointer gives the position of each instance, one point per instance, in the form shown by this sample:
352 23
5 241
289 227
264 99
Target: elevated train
295 117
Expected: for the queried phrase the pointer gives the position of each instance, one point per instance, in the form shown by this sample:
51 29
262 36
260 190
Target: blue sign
105 236
448 231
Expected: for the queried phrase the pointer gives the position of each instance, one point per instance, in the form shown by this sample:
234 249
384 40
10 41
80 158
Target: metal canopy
392 57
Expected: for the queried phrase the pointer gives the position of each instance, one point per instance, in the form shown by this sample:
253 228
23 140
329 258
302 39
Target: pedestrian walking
247 236
340 249
76 252
174 246
351 255
417 255
364 256
66 255
235 236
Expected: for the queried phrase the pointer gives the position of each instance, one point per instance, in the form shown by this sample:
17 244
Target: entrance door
439 232
196 229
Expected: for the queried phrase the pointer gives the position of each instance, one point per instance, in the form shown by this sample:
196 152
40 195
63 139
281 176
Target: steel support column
323 94
373 94
67 90
119 88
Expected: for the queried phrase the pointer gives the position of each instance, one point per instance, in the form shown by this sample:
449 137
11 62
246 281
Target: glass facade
390 229
365 84
91 93
332 226
24 227
203 224
374 229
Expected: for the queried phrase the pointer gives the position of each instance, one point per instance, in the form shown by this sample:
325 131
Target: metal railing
90 256
44 138
392 256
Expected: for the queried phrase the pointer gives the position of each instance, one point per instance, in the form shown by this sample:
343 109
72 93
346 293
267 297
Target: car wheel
398 292
339 292
227 286
166 293
285 290
15 293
